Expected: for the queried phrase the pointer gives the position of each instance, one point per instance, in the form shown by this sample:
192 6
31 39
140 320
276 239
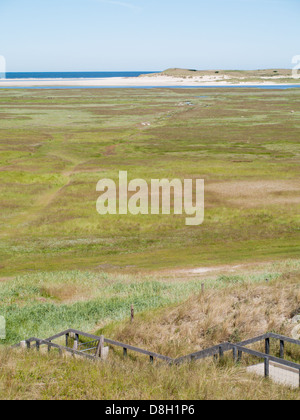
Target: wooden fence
238 349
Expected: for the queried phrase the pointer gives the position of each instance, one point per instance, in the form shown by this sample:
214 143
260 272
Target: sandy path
278 373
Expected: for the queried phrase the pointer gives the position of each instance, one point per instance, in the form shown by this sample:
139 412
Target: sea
76 75
99 74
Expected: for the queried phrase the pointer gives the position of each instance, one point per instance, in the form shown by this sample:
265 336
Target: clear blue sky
115 35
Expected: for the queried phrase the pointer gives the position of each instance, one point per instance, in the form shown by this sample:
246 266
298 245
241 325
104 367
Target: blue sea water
76 75
98 74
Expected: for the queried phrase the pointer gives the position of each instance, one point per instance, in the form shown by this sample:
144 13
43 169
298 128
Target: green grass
63 265
45 303
56 145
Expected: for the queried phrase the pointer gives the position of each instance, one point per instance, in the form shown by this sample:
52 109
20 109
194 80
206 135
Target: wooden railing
217 351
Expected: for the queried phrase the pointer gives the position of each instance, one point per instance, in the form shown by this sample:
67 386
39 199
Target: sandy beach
156 81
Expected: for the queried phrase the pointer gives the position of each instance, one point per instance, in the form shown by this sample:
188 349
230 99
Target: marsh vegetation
63 265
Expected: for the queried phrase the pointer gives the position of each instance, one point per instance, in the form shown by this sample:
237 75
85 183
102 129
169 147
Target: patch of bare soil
110 150
256 193
4 279
186 273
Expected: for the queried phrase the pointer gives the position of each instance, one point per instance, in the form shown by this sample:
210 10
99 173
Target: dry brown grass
66 293
232 314
24 376
253 193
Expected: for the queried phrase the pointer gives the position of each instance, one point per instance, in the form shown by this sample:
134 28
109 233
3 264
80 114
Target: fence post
124 352
221 352
67 340
234 353
282 349
240 354
151 359
132 313
28 344
37 345
267 367
75 345
99 351
267 346
202 287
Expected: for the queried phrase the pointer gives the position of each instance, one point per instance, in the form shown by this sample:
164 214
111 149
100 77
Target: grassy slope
43 304
234 309
231 309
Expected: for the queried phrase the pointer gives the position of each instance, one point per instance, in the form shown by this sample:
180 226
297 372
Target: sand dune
157 81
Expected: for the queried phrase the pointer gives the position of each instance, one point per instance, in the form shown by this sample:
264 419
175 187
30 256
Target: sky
148 35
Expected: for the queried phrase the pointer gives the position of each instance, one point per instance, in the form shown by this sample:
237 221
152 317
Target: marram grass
43 304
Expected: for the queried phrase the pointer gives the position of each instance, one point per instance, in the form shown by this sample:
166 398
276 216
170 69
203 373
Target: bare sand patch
256 193
214 271
157 80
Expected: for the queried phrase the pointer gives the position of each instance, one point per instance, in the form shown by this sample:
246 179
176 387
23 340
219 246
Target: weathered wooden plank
119 344
203 354
267 345
89 349
221 352
263 355
67 349
267 367
137 350
253 340
234 354
84 334
54 337
112 342
100 347
286 339
237 349
93 343
281 351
